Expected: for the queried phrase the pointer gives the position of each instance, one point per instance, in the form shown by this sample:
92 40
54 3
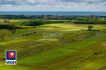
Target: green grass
74 51
56 53
12 67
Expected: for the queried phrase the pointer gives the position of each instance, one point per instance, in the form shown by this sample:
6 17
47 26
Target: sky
53 5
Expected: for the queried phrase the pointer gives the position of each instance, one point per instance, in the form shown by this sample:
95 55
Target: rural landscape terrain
54 42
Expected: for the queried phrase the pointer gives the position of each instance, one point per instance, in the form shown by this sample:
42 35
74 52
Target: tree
90 27
12 28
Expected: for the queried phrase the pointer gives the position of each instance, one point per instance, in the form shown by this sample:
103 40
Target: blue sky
53 5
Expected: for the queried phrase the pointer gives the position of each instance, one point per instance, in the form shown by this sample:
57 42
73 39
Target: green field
75 48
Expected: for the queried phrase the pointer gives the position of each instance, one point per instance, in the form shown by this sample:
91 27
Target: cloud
34 2
94 1
52 5
25 2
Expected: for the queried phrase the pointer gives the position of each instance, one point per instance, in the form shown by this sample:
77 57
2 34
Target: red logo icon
11 54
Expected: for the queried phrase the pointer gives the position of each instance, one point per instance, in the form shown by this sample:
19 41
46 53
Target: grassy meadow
55 46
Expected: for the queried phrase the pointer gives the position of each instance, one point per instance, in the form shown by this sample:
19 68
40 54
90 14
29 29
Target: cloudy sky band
52 5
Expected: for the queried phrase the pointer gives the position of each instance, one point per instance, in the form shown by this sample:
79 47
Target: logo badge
11 57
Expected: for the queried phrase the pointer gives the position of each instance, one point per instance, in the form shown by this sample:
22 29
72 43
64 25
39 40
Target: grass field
76 48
